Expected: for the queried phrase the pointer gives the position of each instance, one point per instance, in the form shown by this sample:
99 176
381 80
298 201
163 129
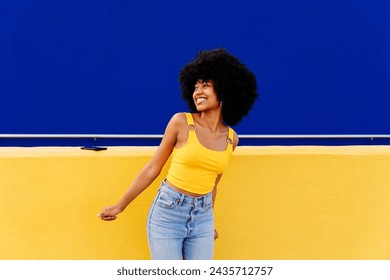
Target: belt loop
195 202
181 200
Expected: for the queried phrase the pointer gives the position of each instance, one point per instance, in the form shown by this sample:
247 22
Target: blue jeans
181 226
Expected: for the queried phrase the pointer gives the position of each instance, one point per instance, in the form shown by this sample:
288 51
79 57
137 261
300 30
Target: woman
219 91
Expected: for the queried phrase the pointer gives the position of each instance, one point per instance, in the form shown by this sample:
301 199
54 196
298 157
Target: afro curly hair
234 84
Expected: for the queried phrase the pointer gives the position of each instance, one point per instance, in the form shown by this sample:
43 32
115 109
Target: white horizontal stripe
249 136
81 135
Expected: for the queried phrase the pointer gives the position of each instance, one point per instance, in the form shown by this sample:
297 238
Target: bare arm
148 173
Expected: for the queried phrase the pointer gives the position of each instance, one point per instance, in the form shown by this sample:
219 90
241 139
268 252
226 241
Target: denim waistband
204 200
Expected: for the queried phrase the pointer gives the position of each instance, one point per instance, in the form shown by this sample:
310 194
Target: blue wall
111 66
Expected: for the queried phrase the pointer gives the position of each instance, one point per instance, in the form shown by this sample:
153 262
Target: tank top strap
190 119
230 138
190 122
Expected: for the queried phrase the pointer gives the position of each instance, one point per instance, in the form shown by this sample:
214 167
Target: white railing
146 136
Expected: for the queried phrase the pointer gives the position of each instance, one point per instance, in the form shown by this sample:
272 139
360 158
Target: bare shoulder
178 121
179 118
178 127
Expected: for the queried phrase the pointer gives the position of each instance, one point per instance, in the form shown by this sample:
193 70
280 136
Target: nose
199 89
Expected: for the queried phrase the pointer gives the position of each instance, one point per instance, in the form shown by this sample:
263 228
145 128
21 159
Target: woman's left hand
215 234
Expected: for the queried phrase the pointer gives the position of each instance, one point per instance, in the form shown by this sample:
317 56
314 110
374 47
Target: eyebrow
200 81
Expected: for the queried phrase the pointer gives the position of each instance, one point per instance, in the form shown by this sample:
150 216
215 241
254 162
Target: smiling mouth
200 100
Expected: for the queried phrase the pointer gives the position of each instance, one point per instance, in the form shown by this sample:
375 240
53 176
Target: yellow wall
273 203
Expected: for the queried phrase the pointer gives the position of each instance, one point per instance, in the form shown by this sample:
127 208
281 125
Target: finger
103 215
105 212
108 218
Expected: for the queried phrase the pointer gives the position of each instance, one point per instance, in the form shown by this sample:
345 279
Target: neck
213 120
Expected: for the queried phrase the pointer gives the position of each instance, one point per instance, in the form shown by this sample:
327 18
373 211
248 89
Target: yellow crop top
194 168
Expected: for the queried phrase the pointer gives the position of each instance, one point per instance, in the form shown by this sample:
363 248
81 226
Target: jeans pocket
167 201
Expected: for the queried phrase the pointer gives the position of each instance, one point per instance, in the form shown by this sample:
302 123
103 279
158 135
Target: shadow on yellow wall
273 203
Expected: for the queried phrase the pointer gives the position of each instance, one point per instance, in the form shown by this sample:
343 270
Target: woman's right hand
109 213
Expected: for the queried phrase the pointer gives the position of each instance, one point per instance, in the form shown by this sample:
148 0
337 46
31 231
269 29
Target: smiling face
205 97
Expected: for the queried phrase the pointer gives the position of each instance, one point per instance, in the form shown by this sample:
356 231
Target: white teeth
200 100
